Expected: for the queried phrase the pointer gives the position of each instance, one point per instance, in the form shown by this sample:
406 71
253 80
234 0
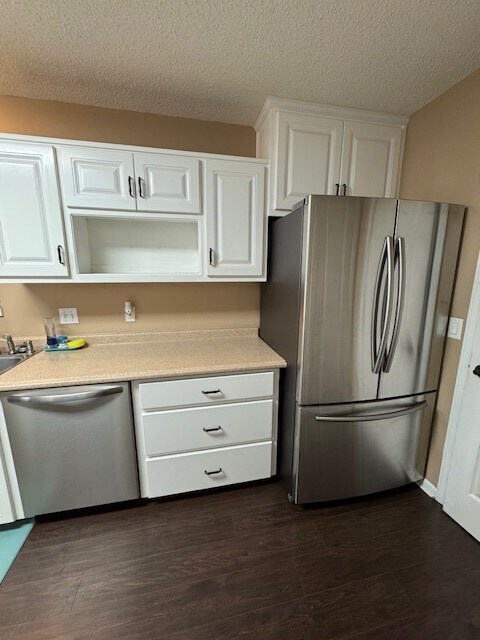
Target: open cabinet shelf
109 246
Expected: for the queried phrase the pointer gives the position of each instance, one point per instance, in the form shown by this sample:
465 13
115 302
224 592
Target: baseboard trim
429 488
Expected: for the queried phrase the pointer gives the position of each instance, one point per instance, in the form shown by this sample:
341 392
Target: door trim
463 372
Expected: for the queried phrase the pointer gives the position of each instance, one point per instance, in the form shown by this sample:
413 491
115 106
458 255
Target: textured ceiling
219 59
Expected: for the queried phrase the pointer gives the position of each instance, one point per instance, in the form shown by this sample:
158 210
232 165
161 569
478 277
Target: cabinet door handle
141 191
131 186
209 429
211 257
207 393
61 254
213 473
337 186
344 189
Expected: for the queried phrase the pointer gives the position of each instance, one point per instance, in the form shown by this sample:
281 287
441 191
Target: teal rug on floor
12 537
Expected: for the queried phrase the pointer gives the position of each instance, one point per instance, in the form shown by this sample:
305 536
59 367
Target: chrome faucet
24 348
12 349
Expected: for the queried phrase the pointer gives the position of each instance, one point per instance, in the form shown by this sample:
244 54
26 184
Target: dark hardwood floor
245 563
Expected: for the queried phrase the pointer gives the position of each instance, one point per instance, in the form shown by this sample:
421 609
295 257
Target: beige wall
441 162
100 307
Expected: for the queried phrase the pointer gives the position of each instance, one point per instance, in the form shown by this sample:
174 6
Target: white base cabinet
318 149
208 469
201 433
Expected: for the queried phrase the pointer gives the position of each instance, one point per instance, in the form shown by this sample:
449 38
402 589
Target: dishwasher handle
65 397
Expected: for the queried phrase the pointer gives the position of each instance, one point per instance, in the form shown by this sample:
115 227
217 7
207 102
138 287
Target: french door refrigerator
357 301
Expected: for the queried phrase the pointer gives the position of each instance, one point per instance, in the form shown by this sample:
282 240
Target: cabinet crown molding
313 108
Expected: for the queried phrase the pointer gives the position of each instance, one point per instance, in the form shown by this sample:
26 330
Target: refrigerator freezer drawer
348 450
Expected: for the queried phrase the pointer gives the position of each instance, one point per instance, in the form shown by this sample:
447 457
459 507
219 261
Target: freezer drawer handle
209 393
209 429
214 473
377 416
67 397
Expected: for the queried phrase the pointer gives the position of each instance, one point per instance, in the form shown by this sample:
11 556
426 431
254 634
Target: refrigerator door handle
386 258
355 417
400 264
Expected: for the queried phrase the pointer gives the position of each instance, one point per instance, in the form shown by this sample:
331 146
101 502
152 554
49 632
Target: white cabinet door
370 159
167 183
308 157
97 178
235 201
31 231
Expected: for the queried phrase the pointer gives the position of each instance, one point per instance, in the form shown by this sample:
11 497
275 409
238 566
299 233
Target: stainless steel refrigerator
357 301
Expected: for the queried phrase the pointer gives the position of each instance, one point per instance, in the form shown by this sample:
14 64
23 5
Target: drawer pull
207 393
208 429
213 473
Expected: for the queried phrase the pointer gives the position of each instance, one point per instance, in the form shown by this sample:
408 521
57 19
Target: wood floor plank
329 615
361 524
446 625
43 599
178 608
325 568
450 584
215 558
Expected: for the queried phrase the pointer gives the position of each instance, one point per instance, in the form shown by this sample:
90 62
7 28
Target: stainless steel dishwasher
72 447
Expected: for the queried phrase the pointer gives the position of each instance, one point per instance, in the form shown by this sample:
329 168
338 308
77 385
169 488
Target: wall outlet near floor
130 312
455 328
68 315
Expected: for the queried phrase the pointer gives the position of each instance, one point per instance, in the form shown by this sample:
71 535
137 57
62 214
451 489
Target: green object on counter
71 345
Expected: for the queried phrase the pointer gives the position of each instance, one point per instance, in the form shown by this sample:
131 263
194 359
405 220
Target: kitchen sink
7 362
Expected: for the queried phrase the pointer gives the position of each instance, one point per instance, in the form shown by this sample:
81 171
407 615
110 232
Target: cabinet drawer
200 391
187 471
206 427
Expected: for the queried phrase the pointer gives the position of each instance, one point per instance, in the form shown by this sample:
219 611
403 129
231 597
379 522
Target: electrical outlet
68 315
130 312
455 328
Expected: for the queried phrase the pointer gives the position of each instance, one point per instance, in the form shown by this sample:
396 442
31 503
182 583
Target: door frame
473 321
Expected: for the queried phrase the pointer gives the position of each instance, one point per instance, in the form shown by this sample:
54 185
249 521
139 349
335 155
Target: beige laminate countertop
145 356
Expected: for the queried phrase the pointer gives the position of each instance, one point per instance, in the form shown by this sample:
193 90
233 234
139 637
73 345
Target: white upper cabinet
167 183
97 178
31 231
309 151
328 150
128 214
370 159
235 193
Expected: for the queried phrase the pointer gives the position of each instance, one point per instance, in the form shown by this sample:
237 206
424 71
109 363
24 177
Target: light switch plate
68 315
455 328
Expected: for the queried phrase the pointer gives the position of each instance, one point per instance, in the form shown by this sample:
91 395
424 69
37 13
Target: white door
167 183
370 160
462 498
235 201
31 231
97 178
308 157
